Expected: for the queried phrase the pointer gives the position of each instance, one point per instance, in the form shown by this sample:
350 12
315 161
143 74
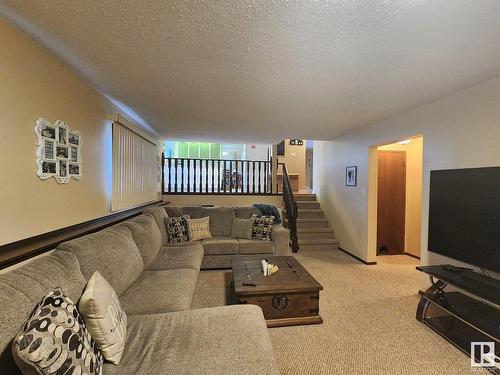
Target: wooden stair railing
291 210
216 176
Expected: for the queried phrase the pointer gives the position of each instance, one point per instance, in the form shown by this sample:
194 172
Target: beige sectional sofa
155 284
222 247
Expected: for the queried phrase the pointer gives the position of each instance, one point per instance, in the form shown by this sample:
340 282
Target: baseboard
412 255
358 258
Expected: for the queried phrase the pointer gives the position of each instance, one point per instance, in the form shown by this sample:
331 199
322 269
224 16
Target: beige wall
460 130
295 160
413 209
259 152
35 84
223 200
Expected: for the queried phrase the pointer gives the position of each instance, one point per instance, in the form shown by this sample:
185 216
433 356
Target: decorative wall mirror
58 151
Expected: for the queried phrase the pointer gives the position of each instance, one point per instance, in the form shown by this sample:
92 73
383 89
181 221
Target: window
135 169
193 150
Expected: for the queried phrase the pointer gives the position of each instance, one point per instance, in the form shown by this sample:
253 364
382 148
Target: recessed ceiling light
405 142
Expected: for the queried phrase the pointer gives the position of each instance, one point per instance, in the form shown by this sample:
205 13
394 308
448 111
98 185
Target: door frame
372 195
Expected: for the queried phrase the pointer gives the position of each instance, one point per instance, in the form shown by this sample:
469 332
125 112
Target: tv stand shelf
481 286
457 317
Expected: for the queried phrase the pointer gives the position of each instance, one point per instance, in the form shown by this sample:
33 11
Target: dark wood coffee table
287 297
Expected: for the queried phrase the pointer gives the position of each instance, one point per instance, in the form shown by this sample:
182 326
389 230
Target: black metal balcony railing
216 176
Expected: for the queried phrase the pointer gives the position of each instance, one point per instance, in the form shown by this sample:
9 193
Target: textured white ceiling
263 70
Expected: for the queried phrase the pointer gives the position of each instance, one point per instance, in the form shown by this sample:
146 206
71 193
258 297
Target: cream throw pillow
199 229
104 317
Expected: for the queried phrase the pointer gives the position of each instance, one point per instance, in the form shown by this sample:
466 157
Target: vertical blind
135 169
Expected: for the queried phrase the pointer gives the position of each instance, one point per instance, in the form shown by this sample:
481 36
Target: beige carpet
369 321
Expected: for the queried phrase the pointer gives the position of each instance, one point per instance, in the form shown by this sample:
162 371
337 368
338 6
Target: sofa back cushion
246 212
112 252
194 212
159 214
221 220
22 289
174 211
242 228
146 236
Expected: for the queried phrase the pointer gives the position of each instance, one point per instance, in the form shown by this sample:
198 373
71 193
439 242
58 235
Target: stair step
313 213
318 247
311 220
304 197
308 205
318 244
315 230
311 223
318 241
310 233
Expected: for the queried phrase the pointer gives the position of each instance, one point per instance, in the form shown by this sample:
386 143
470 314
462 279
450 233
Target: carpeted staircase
313 230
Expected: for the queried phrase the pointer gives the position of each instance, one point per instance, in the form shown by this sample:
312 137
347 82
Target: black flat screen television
464 215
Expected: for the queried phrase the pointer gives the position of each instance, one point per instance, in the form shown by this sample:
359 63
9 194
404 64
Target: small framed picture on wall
351 176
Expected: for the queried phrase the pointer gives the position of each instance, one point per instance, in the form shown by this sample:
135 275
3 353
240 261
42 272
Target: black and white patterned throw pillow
177 228
55 340
262 227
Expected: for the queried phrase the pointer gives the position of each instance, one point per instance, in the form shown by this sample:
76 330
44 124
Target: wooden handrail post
274 170
290 209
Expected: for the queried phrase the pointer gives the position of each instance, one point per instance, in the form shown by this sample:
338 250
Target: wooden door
391 202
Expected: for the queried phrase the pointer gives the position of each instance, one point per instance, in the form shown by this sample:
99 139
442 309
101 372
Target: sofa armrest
281 239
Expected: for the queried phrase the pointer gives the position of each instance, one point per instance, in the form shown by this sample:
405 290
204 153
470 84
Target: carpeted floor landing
369 321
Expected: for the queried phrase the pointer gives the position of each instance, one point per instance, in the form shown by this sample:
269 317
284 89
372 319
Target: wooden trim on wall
358 258
26 248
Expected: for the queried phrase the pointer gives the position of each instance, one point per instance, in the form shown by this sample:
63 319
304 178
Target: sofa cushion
178 257
242 228
182 244
199 229
262 227
216 261
160 291
177 229
255 246
159 214
112 252
22 288
220 245
55 340
246 212
194 212
174 211
146 235
105 319
220 340
221 220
